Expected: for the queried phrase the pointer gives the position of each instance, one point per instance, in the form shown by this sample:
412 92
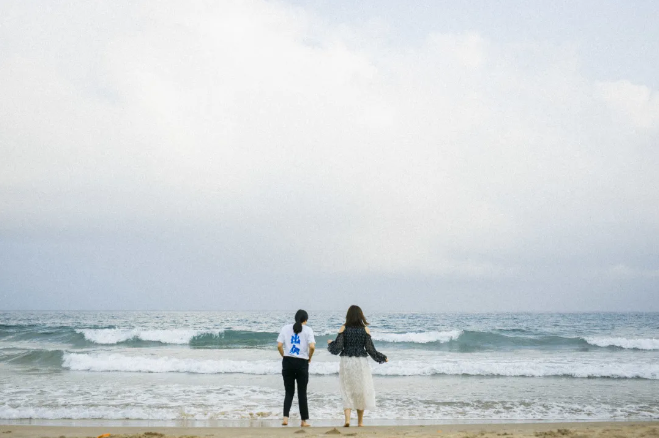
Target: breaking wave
194 338
634 343
419 337
450 340
473 367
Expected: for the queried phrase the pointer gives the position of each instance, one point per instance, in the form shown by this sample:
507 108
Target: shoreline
276 422
600 429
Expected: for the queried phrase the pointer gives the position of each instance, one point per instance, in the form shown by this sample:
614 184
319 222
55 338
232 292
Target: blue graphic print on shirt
295 339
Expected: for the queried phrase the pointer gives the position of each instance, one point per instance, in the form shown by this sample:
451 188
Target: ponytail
300 317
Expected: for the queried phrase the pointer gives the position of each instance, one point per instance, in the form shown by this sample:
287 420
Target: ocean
223 368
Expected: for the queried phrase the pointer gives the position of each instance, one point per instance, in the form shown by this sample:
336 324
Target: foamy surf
142 364
116 336
447 340
101 362
419 337
268 407
182 365
637 344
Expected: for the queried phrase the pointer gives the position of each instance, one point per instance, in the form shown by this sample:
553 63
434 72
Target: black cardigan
355 342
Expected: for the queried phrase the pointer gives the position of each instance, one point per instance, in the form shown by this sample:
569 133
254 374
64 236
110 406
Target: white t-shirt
296 344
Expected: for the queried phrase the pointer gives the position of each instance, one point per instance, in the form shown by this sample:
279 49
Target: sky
482 156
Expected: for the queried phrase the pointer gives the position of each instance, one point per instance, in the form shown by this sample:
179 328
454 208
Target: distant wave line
466 340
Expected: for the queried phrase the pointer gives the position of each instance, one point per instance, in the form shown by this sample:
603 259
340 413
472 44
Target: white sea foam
84 412
138 401
271 410
521 368
242 404
633 343
145 364
418 337
473 367
115 336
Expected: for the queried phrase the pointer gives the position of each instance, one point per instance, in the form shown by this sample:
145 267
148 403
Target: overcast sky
438 156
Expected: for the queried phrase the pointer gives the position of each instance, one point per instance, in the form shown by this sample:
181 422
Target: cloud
638 104
268 138
622 271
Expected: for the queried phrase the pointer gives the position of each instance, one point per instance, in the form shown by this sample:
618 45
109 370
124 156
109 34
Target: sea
223 368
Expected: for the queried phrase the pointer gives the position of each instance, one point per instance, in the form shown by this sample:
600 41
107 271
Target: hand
329 341
386 360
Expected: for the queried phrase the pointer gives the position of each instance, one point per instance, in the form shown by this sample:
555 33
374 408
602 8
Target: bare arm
312 348
329 341
280 347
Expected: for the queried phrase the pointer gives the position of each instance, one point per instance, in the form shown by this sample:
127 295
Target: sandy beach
648 429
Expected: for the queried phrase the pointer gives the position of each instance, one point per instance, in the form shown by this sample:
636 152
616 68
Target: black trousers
295 370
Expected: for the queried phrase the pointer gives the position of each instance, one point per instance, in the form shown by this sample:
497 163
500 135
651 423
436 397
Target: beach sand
510 430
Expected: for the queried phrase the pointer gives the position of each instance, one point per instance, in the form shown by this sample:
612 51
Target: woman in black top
353 344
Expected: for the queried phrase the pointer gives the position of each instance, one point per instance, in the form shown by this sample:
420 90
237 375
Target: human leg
288 374
302 379
346 413
360 417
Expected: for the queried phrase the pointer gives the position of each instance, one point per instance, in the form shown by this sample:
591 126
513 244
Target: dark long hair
300 317
355 317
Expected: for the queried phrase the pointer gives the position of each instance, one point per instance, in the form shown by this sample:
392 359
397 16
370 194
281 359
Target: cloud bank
245 154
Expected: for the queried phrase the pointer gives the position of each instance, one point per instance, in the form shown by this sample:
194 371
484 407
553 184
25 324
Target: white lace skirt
356 383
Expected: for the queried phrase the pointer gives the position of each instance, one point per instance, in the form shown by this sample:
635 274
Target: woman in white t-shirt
296 345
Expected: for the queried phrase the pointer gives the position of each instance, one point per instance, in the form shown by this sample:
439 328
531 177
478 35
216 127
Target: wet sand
510 430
